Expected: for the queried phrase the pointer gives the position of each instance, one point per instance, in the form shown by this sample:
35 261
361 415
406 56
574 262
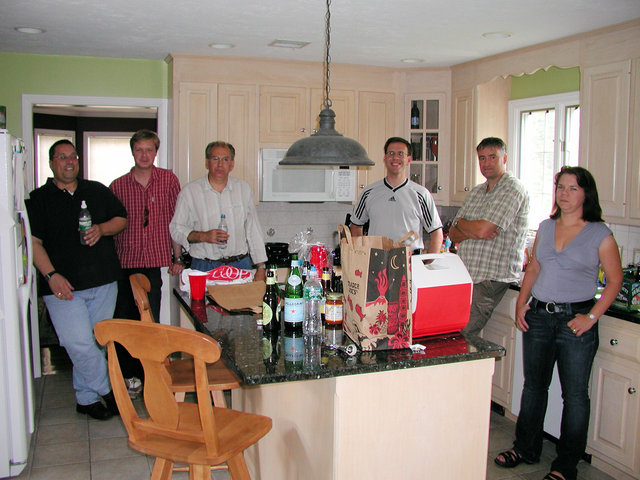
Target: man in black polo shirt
79 282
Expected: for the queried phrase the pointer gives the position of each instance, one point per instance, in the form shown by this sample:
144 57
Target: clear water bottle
312 293
84 221
223 226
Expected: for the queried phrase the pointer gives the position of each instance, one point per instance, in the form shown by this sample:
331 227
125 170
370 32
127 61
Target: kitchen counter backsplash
281 221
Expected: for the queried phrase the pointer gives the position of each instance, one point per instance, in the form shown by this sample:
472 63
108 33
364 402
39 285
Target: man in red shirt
149 194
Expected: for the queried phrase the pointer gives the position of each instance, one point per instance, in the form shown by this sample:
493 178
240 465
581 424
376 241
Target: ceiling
370 32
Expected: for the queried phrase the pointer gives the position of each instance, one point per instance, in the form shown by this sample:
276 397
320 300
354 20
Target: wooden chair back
168 420
141 287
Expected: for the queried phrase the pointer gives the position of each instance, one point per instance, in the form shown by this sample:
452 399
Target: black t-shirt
53 214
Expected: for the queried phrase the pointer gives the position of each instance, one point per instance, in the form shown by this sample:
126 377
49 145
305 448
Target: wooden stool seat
180 371
198 434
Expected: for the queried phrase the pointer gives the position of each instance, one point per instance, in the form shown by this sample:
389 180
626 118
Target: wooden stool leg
218 398
238 468
199 472
162 469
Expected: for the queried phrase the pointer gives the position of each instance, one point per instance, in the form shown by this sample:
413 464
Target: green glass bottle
293 299
270 311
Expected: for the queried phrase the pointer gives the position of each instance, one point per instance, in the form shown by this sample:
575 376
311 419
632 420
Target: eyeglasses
145 222
63 157
395 154
221 159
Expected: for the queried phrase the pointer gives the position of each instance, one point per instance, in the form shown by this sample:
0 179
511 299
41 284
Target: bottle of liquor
270 304
223 226
326 289
415 115
84 221
312 292
293 300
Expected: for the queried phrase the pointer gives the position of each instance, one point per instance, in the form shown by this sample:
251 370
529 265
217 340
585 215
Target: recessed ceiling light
30 30
412 60
221 46
496 35
288 44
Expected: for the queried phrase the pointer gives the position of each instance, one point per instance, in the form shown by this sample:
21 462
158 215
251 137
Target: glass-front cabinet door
424 116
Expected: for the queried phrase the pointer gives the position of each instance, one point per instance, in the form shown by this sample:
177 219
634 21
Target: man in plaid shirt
149 194
491 228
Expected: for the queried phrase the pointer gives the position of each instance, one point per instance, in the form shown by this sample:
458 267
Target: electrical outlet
636 256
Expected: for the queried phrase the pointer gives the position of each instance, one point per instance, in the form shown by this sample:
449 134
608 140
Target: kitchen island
379 415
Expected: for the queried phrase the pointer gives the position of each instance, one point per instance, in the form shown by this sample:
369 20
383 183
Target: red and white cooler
441 290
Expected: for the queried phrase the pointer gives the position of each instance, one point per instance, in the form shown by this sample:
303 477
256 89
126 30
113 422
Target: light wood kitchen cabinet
614 429
376 123
237 124
196 118
633 177
429 166
501 329
463 170
604 134
284 114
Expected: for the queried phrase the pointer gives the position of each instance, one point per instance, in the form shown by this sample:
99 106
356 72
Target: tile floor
70 446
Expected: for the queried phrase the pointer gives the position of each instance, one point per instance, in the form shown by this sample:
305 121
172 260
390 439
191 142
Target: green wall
545 82
82 76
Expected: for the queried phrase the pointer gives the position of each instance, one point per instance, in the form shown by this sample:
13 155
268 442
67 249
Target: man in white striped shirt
199 207
395 205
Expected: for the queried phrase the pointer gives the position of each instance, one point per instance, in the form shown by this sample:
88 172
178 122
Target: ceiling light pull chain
327 57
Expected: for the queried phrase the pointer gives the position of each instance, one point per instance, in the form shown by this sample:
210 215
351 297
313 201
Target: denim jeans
206 265
74 321
550 340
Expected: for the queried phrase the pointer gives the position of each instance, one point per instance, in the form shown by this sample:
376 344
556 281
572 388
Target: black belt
227 259
553 307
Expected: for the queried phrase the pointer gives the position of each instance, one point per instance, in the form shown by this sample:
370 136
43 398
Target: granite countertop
633 317
259 358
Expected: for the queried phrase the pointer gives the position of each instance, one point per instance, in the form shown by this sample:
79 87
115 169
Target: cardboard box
629 296
441 290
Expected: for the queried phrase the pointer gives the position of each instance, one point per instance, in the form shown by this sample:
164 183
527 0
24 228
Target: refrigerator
18 310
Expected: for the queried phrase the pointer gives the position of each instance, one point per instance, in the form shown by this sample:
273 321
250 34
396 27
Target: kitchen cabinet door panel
633 182
283 114
376 119
613 430
463 171
604 133
197 125
237 106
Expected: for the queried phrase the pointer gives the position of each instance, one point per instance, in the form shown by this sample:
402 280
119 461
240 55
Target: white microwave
317 183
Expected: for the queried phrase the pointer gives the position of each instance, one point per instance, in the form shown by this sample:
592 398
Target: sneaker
134 387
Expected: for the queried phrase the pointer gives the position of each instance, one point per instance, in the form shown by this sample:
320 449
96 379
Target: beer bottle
293 299
270 318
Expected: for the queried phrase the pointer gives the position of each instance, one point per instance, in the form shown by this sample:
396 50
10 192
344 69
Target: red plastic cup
197 284
318 257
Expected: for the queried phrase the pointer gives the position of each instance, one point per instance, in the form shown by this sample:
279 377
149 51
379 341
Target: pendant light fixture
327 146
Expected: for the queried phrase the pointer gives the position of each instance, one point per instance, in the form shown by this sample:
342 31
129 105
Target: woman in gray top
560 320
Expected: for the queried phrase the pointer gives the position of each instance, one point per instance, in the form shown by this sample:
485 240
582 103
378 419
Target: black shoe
110 400
96 410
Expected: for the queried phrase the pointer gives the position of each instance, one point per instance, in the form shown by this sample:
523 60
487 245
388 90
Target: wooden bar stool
197 434
220 376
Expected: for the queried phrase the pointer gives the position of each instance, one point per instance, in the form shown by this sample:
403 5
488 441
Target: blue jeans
206 265
550 340
74 321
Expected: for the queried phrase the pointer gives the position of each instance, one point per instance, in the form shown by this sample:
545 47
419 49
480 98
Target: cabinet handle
631 390
466 189
613 341
303 129
361 186
439 187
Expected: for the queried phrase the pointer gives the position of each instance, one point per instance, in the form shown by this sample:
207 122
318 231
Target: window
107 155
44 138
543 136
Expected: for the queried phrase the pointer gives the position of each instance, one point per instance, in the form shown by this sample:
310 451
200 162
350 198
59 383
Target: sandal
552 476
511 459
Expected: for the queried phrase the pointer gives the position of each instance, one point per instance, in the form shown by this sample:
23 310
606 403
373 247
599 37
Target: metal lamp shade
327 147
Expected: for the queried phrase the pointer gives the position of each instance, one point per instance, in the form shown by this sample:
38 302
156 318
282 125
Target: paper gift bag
376 282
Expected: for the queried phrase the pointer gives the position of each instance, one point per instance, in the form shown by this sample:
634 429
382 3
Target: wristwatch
48 276
592 317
